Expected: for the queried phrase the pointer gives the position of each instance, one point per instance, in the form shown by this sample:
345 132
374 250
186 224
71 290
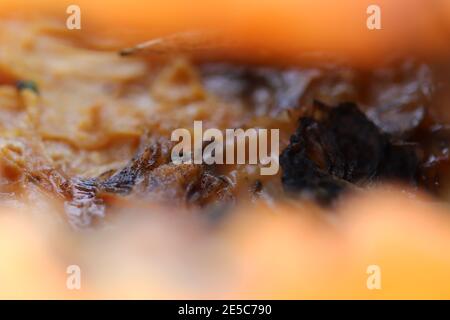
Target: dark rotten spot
334 148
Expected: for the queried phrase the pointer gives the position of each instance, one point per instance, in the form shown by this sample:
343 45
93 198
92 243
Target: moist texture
85 132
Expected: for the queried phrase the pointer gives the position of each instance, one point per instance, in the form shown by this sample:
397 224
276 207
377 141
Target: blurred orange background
289 26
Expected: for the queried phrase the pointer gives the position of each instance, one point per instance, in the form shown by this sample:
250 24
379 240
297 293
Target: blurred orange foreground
260 253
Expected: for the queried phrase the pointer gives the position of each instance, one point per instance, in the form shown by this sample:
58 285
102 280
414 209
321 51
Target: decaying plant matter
90 141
